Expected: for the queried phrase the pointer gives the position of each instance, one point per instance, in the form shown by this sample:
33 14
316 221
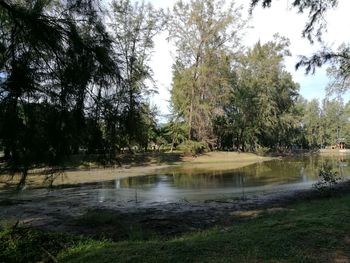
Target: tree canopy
204 33
69 83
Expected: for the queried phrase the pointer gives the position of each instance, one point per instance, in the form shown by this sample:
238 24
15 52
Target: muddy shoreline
42 178
67 210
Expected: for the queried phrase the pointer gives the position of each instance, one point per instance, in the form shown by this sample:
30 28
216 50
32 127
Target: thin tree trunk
172 144
191 114
22 182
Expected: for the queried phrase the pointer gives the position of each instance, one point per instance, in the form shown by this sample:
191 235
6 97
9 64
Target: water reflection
187 183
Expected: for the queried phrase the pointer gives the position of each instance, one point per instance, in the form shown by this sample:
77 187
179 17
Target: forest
76 79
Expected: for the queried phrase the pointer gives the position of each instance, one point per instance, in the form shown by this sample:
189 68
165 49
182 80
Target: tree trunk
191 114
22 182
172 145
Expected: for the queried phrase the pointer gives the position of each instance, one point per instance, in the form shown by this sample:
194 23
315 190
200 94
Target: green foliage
193 147
134 26
262 151
261 108
324 124
327 179
173 133
204 32
51 62
338 60
70 85
20 245
312 121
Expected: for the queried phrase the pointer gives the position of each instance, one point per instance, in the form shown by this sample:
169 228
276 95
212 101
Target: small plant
193 147
261 150
19 244
327 179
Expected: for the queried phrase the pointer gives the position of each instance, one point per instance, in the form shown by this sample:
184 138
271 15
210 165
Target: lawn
313 231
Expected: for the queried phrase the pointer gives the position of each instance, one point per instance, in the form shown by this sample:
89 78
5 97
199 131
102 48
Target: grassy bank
314 231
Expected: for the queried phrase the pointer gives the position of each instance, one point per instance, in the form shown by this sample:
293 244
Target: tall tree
313 126
134 27
332 120
205 34
52 55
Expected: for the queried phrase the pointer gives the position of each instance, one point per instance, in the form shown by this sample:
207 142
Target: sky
263 24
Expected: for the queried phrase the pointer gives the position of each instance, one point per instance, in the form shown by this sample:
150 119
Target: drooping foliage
50 62
337 60
316 10
65 81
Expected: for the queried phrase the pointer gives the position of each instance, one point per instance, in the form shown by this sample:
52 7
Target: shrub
193 147
327 179
19 244
261 150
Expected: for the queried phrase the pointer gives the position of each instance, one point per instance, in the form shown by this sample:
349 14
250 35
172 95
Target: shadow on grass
150 158
138 226
112 225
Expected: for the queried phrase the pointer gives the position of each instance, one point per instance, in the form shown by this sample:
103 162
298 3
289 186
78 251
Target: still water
195 184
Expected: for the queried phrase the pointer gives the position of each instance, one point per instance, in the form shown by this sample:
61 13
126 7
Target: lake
189 184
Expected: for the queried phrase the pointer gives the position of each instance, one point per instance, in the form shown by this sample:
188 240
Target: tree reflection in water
178 183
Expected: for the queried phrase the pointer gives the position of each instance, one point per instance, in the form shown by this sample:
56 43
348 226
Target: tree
68 84
53 55
134 27
313 126
332 120
261 107
204 33
176 132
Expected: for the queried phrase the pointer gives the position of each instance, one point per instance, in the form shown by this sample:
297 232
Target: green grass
315 231
27 245
318 231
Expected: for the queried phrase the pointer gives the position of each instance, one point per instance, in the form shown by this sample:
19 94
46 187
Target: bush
327 179
193 147
19 244
261 150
